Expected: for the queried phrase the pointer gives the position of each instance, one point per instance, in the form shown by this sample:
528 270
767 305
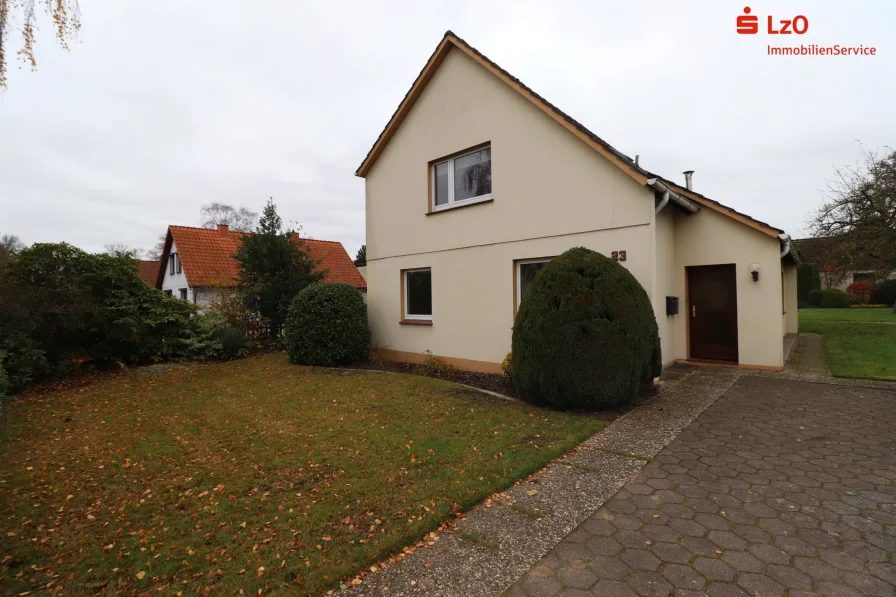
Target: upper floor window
462 179
174 264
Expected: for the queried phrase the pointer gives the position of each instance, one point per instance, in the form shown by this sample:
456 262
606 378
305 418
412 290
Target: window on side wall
171 261
417 295
526 269
462 180
183 294
177 261
169 293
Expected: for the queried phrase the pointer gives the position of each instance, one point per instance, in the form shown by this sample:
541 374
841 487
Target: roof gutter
668 194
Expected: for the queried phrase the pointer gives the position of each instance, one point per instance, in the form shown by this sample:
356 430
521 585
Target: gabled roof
206 257
450 42
148 270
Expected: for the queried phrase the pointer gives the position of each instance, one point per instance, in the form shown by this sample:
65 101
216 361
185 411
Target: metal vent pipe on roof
689 179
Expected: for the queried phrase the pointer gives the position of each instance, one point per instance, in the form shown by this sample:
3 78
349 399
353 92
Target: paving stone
736 506
683 577
713 569
760 585
649 584
671 553
577 575
541 582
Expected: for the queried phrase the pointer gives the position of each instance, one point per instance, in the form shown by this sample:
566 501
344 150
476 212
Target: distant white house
197 262
815 251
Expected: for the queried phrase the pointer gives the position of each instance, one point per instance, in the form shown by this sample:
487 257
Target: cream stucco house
477 181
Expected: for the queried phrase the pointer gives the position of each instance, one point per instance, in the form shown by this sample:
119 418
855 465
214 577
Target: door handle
694 311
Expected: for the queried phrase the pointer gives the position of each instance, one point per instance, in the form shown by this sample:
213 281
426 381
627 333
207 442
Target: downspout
785 244
663 203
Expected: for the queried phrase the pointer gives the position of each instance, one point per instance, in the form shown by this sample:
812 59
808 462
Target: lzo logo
748 24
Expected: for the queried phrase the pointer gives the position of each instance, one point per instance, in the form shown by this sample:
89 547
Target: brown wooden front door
712 312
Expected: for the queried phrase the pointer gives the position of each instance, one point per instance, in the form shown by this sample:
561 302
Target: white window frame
519 275
407 301
451 202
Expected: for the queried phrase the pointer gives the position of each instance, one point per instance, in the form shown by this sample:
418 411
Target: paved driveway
781 488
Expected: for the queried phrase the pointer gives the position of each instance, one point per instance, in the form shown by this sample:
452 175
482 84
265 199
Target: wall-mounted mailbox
671 305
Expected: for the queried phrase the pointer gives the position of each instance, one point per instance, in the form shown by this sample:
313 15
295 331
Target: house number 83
618 255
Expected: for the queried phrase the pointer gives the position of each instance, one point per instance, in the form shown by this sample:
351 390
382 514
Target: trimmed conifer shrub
327 325
585 335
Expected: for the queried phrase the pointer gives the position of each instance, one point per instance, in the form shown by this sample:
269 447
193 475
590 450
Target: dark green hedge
834 299
807 279
585 334
885 293
327 325
815 297
61 308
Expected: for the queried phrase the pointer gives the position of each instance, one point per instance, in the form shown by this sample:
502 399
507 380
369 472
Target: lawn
856 349
881 314
247 478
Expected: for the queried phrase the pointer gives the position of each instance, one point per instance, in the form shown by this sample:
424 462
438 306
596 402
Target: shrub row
62 308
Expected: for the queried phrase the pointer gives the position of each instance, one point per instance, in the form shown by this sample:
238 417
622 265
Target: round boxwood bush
834 299
585 335
327 325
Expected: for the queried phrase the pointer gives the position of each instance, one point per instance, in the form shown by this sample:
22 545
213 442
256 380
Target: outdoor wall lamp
754 269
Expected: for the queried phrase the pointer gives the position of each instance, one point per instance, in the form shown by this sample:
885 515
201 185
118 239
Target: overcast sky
168 104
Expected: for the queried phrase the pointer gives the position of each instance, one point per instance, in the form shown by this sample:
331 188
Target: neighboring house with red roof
198 262
149 271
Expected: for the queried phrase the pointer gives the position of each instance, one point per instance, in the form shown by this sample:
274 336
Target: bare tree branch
239 220
858 217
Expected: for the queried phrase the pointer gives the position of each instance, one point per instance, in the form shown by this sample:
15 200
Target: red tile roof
148 270
207 257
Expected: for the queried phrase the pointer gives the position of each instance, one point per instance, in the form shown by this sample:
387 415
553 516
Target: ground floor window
169 292
183 294
417 294
525 273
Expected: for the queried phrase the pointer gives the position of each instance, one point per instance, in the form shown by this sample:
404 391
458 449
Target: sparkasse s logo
748 24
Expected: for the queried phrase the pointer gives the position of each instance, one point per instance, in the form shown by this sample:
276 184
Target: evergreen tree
273 266
361 257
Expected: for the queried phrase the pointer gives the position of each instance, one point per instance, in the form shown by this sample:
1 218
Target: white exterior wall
551 192
666 275
174 282
710 238
791 310
473 292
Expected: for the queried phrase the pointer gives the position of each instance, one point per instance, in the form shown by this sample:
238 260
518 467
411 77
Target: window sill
416 322
461 206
